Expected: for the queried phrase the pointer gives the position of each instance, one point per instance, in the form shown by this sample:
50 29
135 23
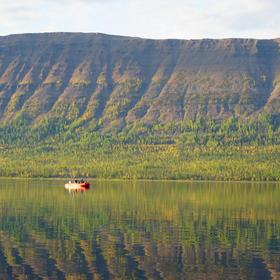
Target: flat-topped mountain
116 80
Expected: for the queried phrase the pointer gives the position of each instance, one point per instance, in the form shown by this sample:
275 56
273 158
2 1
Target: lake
139 230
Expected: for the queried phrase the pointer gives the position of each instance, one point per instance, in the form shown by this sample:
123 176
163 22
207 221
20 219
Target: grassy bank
144 162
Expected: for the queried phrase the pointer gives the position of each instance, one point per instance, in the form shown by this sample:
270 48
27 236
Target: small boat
77 185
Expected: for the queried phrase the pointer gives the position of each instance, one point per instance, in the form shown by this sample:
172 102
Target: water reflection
140 231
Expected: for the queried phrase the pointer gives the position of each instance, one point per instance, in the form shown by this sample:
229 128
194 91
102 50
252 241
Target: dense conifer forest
200 149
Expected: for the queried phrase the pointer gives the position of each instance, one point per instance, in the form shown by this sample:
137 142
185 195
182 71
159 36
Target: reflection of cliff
114 255
140 232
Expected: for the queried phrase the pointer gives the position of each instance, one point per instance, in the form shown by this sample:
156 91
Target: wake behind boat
77 185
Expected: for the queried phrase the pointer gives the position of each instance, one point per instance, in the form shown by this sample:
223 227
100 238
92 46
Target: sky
158 19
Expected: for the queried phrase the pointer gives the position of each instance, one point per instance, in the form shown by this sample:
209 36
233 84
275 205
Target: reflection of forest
140 231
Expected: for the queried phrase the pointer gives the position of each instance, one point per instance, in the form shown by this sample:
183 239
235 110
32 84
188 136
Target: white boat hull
77 186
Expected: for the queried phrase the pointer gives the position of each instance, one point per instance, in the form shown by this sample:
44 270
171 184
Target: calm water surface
142 230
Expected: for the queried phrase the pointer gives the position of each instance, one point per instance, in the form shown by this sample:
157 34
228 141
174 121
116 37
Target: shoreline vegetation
116 180
150 162
230 150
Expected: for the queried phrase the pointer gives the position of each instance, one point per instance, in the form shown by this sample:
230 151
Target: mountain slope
115 81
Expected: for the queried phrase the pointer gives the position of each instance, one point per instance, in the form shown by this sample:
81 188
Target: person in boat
82 180
76 181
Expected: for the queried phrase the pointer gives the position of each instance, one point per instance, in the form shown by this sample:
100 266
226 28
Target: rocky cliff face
116 80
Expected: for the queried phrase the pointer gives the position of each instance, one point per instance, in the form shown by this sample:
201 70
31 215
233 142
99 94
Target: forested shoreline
200 149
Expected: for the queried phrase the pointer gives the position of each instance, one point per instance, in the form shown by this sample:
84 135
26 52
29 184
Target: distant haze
183 19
